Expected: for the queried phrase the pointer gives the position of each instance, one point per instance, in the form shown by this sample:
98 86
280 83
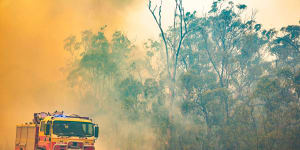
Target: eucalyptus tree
220 63
286 47
172 37
172 45
228 46
97 63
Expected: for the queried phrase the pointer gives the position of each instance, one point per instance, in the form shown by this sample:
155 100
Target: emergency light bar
37 117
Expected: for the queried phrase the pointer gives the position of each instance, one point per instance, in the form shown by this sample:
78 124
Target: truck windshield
73 128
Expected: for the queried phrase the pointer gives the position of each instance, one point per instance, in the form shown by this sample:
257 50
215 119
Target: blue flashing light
60 116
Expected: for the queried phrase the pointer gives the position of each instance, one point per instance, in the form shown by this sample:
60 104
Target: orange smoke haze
32 55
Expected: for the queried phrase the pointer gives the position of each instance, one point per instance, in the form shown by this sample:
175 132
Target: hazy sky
31 44
271 13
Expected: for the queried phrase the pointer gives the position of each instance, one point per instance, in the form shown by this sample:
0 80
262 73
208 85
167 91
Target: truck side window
48 127
42 129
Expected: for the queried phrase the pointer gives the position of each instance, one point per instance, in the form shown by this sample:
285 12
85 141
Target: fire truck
57 131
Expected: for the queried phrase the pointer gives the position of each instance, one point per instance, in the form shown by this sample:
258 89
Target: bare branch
159 24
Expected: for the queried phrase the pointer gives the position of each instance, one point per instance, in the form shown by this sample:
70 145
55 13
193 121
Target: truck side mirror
96 131
47 132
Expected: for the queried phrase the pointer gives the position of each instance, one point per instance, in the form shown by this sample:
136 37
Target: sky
32 33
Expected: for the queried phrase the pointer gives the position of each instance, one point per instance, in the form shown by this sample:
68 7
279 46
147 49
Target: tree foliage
228 94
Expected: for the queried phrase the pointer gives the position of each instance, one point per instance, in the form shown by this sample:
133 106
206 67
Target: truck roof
66 118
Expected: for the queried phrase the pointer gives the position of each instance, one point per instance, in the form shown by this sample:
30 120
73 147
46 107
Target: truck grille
75 145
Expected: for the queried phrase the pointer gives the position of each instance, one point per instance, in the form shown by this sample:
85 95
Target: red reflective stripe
89 148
